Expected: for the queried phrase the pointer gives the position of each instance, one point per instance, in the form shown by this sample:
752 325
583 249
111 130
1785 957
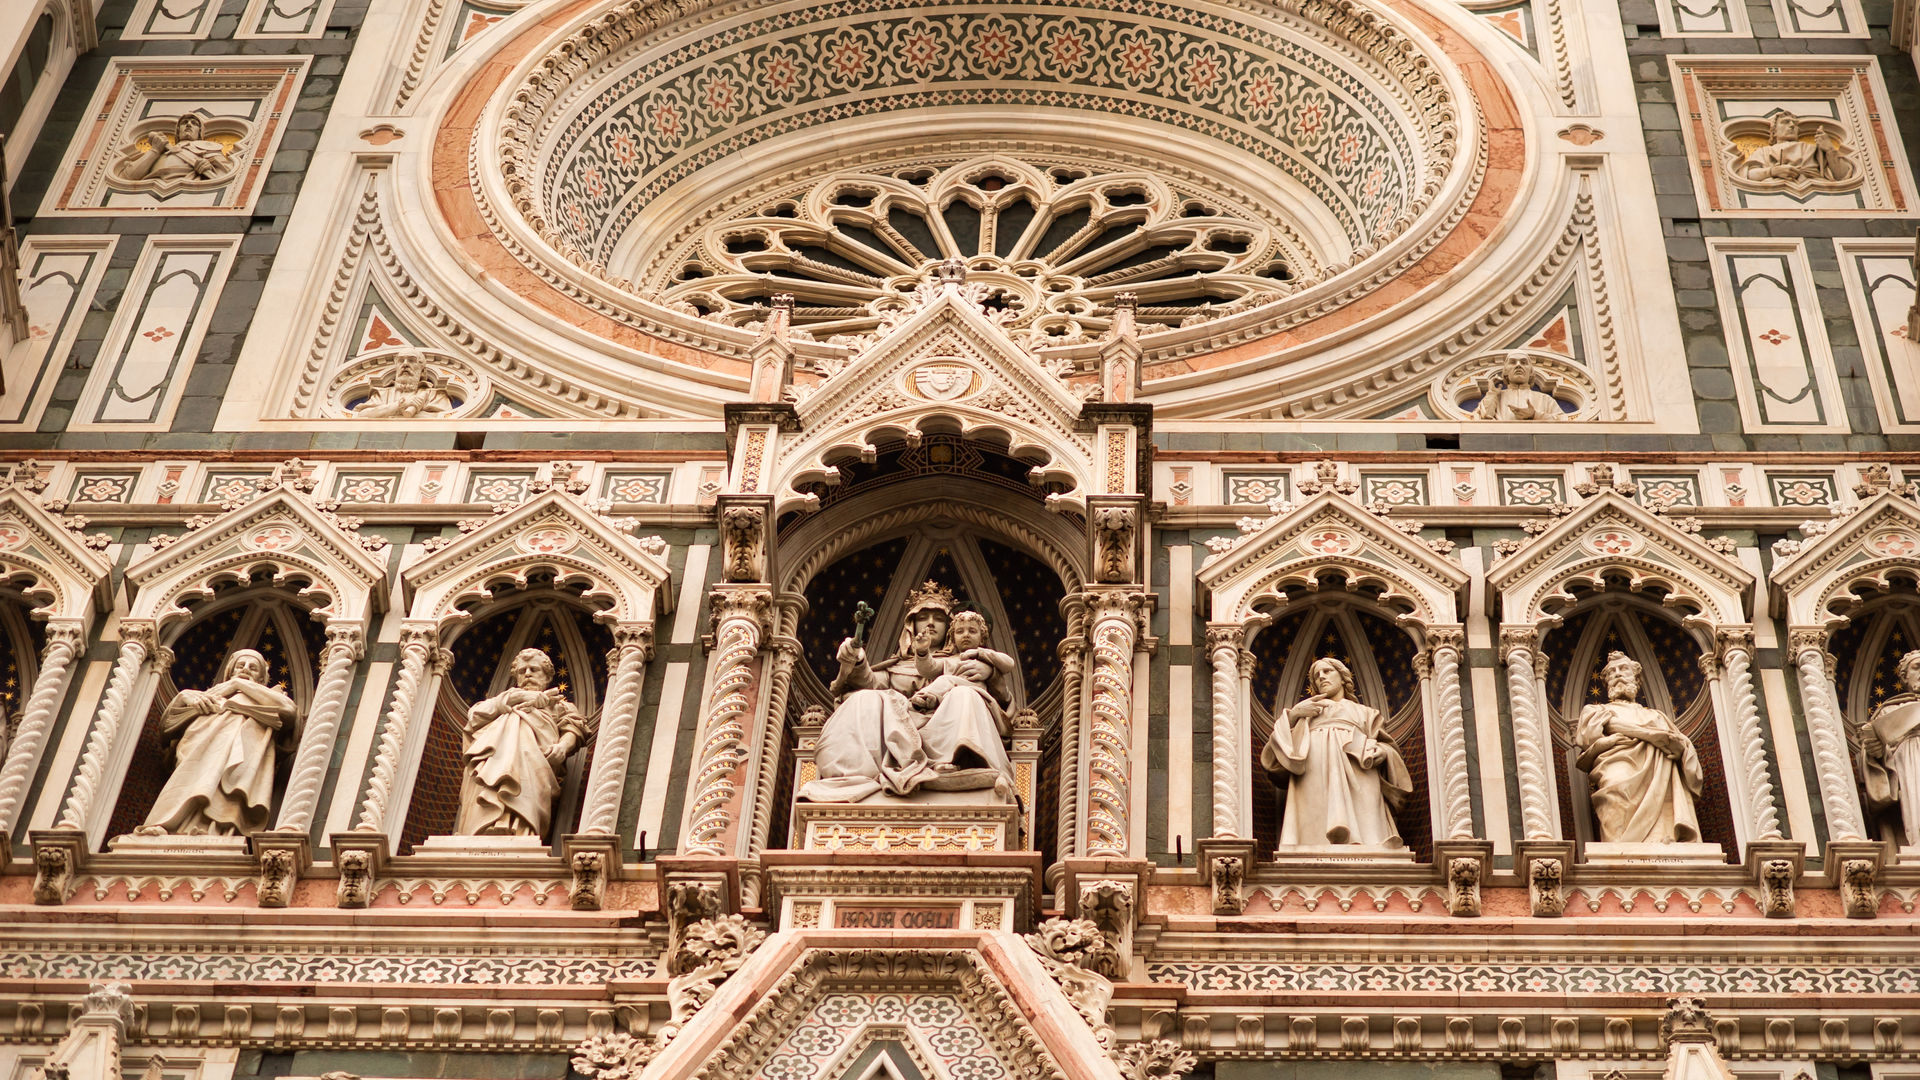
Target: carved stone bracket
359 858
592 860
1082 959
1775 866
1853 867
1464 866
746 538
58 855
282 858
1225 862
708 953
690 899
1544 865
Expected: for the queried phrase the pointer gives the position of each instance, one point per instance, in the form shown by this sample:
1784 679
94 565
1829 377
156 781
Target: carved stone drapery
420 654
1456 792
1518 651
1224 644
345 646
65 639
139 650
1734 668
740 616
1115 616
1830 759
613 747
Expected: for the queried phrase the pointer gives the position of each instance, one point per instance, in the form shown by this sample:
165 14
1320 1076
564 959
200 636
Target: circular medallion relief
943 382
1896 543
1613 542
272 538
1329 542
11 538
547 541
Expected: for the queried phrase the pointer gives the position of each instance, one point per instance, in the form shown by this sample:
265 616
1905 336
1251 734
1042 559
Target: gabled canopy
1331 535
47 562
947 368
551 534
1609 536
1818 584
279 533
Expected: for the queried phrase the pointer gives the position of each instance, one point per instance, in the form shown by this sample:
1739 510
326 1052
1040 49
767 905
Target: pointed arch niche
1612 576
1330 579
952 511
275 575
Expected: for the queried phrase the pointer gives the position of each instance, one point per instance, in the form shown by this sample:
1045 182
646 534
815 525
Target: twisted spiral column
1116 628
1736 662
419 651
1073 663
1530 741
1223 651
1830 762
345 646
613 746
1456 793
65 638
138 646
739 616
779 687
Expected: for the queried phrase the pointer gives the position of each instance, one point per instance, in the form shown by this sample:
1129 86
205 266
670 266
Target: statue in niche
1645 771
931 717
185 156
1514 398
1890 751
518 741
1788 161
1344 775
410 389
222 782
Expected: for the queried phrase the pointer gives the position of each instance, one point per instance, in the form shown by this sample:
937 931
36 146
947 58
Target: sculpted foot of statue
931 717
517 743
222 782
1645 772
1344 775
1890 752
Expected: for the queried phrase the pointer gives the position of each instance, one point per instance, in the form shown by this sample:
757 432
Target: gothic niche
520 701
170 155
405 384
1876 690
947 574
23 640
1520 385
1582 673
240 682
1380 769
1794 154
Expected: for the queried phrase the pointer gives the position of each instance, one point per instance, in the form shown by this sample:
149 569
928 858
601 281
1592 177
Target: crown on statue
931 595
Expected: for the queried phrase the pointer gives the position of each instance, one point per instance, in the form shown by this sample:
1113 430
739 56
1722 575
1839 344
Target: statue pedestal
932 825
200 846
1641 855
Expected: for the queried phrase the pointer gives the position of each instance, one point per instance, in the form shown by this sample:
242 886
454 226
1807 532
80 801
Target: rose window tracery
1048 245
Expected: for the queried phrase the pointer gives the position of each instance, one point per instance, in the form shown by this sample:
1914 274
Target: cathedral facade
966 540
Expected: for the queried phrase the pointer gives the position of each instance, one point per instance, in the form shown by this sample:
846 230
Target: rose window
1048 247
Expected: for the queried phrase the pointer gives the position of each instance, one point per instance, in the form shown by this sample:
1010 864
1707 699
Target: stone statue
1788 161
1645 771
1345 776
410 388
517 742
932 716
1890 751
186 155
222 782
1514 398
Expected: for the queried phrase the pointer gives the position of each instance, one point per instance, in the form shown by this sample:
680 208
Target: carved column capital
628 636
70 632
348 639
1224 636
1807 639
1446 637
1524 638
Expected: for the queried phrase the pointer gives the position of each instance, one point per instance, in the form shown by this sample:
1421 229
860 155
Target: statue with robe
1344 775
517 743
1514 398
1645 771
1789 161
933 716
408 390
186 155
222 782
1890 751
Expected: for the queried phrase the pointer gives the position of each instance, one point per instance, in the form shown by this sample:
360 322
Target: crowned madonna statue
931 717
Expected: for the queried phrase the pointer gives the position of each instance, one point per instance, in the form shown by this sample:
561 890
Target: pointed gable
55 571
279 533
1330 535
551 534
1609 536
947 367
1864 548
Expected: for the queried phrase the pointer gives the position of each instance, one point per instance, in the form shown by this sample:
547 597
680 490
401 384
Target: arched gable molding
277 532
947 368
1331 536
625 578
1609 536
56 573
1819 585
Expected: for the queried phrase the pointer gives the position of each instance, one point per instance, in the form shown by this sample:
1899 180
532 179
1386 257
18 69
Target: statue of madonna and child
933 717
